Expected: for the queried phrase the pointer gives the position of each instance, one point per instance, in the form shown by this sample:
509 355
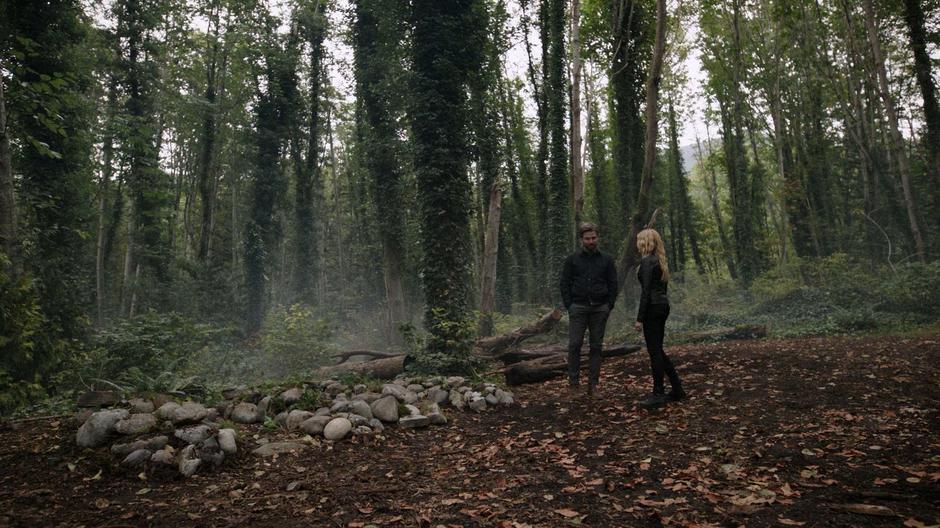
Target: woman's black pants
654 330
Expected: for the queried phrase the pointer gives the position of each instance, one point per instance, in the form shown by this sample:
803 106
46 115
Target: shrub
294 339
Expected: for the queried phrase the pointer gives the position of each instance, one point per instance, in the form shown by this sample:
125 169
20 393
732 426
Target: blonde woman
653 275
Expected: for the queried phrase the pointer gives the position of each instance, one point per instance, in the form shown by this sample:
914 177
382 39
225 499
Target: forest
205 204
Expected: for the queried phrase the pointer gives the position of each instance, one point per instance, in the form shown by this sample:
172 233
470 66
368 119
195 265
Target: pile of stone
187 436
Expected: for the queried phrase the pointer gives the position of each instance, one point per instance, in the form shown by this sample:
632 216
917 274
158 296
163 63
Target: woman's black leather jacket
650 276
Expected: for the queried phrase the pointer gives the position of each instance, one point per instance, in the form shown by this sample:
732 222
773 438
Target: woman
653 275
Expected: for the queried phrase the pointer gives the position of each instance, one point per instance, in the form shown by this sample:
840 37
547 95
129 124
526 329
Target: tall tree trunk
490 254
923 68
894 131
577 166
104 185
686 211
7 195
630 257
207 140
558 189
726 249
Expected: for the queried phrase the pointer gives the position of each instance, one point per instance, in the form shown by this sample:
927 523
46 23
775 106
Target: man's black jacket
589 277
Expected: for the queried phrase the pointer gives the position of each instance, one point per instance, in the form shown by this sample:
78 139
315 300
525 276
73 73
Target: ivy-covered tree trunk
308 185
559 188
375 49
631 31
263 230
923 69
577 167
50 119
438 115
147 184
208 137
7 194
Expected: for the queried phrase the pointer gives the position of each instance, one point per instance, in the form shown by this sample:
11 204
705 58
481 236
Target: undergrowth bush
295 339
836 294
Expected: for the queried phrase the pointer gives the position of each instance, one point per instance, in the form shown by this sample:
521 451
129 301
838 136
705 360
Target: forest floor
810 432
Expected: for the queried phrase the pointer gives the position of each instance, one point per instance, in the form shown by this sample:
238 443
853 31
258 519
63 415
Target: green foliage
152 352
447 347
833 295
295 339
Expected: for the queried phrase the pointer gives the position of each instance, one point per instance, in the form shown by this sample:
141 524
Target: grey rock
82 415
489 389
210 452
385 409
463 389
226 410
337 429
167 411
189 463
437 418
315 425
157 443
189 412
137 458
140 405
414 422
194 434
322 411
339 406
281 418
456 399
334 388
362 430
357 420
361 408
292 395
212 415
227 442
360 388
438 395
99 426
367 397
491 399
400 393
263 407
273 448
454 382
431 382
477 404
415 387
297 417
412 410
122 450
163 456
234 392
136 424
376 425
504 397
401 382
245 413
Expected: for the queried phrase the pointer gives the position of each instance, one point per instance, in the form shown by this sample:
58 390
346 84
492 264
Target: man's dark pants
592 318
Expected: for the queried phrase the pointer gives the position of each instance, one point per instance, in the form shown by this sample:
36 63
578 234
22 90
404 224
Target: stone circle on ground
190 436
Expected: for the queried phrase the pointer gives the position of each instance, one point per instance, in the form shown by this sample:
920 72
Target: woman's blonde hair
648 242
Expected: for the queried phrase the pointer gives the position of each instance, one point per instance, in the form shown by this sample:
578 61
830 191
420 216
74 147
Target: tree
558 188
438 120
376 49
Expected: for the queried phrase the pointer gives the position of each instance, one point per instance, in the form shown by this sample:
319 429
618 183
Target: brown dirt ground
803 432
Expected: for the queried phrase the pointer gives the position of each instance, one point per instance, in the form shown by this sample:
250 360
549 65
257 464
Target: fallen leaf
864 509
451 502
789 522
568 514
102 503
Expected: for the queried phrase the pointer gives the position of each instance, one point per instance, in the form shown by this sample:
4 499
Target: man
588 290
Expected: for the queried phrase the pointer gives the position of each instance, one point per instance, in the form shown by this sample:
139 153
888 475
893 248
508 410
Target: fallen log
555 365
490 346
382 368
726 334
